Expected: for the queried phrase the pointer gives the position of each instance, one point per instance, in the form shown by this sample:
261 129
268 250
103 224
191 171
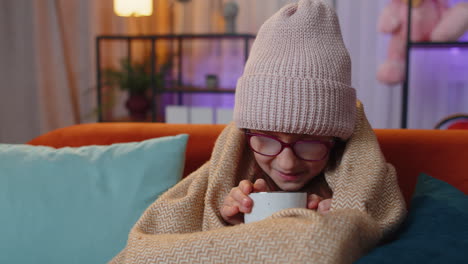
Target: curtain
46 66
47 63
367 49
18 104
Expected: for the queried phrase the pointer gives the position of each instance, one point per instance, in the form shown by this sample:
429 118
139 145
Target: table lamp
133 8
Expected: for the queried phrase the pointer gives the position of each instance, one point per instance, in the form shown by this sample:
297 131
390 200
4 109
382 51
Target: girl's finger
244 201
246 186
324 206
229 211
260 185
313 201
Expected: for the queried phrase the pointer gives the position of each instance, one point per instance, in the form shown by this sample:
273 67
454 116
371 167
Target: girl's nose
286 160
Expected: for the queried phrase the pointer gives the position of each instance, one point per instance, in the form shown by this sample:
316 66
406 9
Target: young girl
295 103
297 127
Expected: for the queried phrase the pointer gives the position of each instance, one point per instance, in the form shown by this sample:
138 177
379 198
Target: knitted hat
298 75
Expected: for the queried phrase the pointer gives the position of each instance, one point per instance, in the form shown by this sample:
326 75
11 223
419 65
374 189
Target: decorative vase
230 13
138 106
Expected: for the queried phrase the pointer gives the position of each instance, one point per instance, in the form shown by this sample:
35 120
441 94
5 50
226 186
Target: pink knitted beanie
298 75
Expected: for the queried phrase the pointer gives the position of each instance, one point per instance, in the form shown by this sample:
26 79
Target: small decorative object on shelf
211 81
230 13
138 106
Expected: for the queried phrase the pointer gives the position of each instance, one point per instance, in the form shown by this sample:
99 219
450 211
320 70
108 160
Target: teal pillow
435 231
77 205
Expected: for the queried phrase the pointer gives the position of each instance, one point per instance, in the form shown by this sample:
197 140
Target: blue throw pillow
435 231
77 205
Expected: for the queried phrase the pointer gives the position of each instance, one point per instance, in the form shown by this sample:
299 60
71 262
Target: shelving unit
176 40
409 45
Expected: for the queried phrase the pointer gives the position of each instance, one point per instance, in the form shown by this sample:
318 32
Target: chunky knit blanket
184 225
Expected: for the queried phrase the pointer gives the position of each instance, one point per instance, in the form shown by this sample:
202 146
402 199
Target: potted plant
136 79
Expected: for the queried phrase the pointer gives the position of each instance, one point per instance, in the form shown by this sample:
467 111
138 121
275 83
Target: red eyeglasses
308 150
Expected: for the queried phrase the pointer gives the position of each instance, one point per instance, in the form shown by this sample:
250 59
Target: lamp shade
129 8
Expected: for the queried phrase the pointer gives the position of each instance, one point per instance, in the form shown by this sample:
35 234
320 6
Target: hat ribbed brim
312 106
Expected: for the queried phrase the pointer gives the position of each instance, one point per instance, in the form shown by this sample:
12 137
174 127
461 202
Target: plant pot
138 106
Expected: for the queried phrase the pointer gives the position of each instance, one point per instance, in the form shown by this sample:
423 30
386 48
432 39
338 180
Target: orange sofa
442 154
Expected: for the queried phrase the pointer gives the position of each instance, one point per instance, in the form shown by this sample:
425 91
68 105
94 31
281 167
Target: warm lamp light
128 8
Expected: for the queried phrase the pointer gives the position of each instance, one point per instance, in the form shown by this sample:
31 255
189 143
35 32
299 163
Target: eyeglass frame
328 144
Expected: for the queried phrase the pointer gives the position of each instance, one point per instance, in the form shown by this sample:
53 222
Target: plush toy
431 20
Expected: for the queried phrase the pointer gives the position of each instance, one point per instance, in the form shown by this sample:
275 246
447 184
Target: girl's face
287 170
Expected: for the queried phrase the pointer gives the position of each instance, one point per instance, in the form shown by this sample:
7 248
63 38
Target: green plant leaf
135 77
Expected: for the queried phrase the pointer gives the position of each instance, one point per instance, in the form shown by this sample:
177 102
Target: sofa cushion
435 231
77 205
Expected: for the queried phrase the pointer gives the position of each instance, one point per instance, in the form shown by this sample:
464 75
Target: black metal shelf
178 36
410 45
195 90
179 88
425 44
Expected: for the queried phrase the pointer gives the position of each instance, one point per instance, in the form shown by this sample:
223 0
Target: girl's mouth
289 176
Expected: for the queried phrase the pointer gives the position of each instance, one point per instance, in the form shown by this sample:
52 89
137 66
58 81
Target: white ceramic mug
267 203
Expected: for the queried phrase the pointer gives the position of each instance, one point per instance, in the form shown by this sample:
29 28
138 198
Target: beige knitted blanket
184 225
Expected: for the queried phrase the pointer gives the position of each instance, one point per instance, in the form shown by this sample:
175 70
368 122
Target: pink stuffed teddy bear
432 20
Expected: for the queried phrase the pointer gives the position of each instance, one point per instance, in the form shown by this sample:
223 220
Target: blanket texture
184 225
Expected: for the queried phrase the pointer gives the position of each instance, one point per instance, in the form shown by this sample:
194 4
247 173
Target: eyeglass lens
303 149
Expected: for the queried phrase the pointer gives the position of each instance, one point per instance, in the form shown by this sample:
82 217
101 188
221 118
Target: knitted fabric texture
184 225
298 75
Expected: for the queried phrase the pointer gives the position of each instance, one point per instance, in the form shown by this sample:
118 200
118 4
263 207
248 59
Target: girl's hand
238 202
315 202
